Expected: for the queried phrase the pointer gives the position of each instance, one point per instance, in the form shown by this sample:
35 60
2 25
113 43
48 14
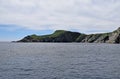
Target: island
69 36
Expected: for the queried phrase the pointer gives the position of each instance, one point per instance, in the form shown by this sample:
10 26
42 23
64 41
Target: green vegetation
68 36
58 33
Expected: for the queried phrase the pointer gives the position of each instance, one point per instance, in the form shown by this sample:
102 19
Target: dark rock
68 36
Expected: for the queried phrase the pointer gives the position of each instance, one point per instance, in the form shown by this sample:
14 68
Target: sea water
59 61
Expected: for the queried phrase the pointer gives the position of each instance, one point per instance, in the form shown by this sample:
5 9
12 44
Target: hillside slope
68 36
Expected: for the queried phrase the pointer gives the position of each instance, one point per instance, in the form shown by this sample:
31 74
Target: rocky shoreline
68 36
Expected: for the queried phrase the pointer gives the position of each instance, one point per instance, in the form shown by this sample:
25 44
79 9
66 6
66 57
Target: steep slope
57 36
114 37
68 36
111 37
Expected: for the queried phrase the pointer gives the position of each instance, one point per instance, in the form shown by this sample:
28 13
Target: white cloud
83 15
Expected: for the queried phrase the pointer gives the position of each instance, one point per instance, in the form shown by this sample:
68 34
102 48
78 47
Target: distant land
68 36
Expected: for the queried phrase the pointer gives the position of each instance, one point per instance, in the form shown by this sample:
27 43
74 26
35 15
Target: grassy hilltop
68 36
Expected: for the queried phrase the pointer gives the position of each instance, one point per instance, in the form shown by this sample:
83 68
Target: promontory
69 36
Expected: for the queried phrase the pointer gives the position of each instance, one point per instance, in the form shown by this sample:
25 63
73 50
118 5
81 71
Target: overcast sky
45 16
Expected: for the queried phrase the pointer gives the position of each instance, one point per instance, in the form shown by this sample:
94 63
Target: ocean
59 61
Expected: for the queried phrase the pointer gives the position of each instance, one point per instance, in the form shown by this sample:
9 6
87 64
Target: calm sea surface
59 61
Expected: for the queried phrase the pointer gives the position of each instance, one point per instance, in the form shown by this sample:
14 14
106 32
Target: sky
19 18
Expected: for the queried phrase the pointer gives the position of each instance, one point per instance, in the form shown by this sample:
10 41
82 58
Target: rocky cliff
68 36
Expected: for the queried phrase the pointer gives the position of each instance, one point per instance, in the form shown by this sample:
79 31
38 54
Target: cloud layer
82 15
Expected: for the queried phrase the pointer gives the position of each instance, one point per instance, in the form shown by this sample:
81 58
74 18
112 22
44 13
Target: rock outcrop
68 36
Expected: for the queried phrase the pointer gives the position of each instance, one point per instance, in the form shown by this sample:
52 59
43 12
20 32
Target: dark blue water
59 61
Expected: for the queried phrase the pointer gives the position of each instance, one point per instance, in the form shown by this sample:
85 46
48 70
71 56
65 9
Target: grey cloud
61 14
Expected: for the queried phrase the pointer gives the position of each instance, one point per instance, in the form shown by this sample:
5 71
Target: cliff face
68 36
